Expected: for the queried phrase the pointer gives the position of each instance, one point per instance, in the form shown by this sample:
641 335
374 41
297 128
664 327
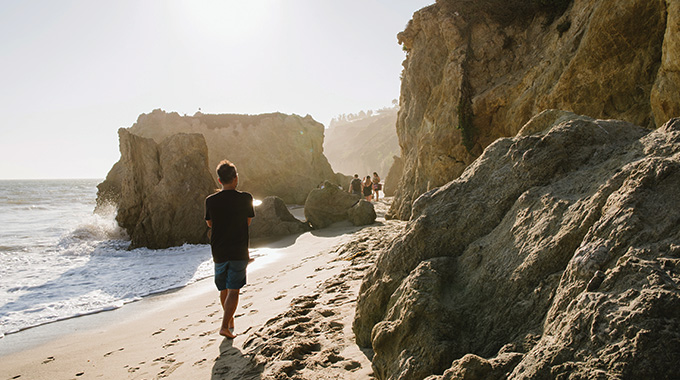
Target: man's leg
230 304
223 298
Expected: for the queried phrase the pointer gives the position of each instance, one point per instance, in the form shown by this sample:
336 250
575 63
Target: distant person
228 213
355 185
376 186
367 186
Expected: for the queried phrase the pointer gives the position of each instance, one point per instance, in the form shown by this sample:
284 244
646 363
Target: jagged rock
275 154
362 213
109 191
272 219
328 204
498 262
479 70
163 189
393 177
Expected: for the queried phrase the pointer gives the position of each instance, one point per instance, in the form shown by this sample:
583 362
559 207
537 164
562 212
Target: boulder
479 70
554 255
362 213
273 219
163 189
328 204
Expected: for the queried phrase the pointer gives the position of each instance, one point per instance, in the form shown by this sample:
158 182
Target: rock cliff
479 70
275 154
162 189
556 254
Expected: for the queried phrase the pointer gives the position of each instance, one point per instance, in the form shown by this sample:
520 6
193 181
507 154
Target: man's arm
209 222
249 220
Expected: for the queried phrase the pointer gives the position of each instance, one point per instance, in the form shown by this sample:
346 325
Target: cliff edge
479 70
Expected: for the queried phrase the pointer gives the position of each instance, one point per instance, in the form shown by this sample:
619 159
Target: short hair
226 171
356 176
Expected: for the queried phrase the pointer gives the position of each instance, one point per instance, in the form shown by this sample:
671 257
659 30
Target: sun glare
226 18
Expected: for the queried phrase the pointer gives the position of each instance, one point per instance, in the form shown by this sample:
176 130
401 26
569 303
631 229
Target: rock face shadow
232 364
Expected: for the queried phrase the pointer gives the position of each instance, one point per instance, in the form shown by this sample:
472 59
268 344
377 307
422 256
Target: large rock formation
275 154
363 144
272 219
478 70
554 255
163 189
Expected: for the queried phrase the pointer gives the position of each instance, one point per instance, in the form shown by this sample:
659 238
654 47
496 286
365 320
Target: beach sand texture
294 320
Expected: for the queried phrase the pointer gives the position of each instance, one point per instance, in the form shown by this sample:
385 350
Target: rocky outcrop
393 176
553 255
363 144
275 154
273 219
163 189
328 204
362 213
479 70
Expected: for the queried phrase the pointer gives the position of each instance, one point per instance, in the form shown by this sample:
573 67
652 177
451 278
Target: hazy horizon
75 71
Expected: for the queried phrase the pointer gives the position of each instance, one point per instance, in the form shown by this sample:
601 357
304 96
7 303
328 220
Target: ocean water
59 260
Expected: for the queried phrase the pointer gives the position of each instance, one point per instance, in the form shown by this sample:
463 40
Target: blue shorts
230 274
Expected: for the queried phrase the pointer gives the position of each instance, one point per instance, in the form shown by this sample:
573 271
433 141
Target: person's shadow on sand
232 364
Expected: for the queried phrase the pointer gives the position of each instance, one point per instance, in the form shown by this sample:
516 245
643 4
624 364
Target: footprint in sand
171 343
200 362
247 305
253 312
352 365
110 353
279 296
158 332
48 360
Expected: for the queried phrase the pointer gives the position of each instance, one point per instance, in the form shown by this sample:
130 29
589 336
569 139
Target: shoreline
174 333
25 338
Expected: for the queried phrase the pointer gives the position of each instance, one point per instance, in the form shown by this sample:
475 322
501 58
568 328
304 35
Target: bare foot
227 334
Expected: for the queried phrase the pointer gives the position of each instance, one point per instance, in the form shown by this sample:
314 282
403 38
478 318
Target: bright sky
73 72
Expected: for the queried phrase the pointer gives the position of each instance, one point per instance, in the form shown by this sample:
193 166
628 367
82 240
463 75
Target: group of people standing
369 188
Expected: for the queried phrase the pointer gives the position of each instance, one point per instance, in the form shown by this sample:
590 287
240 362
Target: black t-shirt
229 211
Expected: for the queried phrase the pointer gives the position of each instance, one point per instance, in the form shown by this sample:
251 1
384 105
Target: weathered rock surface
275 154
393 176
362 213
553 255
163 189
479 70
327 205
272 219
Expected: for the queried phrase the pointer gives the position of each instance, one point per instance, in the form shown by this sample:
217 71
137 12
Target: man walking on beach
228 213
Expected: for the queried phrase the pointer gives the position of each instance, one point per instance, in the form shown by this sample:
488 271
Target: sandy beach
294 320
